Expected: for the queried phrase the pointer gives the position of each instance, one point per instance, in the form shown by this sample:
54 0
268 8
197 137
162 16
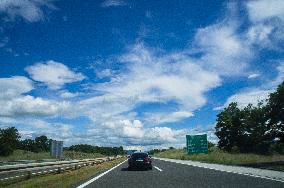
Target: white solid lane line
97 177
158 168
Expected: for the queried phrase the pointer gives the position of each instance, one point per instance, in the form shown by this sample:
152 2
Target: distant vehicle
139 160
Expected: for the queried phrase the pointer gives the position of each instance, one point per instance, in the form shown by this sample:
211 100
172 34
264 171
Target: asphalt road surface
168 174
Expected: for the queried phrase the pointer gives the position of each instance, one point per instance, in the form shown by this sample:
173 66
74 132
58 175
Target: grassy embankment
27 155
273 162
64 180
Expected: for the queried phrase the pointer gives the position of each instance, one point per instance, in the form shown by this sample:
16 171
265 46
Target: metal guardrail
10 172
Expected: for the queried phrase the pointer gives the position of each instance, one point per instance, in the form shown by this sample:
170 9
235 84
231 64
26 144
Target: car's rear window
139 155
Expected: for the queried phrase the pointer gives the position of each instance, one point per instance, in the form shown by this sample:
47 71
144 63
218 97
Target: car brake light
147 159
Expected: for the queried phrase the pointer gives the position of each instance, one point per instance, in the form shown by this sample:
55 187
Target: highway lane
168 174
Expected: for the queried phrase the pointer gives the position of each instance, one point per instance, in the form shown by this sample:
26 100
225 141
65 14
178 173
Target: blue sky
134 73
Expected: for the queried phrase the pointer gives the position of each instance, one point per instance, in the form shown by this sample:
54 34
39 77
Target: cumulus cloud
135 133
14 102
113 3
53 74
38 127
29 10
32 106
14 86
132 129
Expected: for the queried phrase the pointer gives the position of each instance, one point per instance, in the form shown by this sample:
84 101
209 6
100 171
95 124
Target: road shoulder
260 173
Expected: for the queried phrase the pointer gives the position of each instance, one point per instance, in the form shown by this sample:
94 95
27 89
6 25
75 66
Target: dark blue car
140 160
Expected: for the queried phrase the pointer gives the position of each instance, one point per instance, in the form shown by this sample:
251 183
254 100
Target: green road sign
196 144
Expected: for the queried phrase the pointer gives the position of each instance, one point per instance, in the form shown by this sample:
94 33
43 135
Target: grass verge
28 155
273 162
64 180
25 155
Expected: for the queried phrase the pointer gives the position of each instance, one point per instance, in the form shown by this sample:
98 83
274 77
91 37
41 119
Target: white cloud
260 34
14 102
265 9
164 134
134 133
133 130
247 97
29 10
14 86
37 127
253 95
104 73
267 17
53 74
166 117
151 77
279 78
67 94
253 76
31 106
113 3
224 51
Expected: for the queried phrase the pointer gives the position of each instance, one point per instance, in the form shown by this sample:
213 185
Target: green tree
29 145
229 128
275 113
256 136
42 143
9 139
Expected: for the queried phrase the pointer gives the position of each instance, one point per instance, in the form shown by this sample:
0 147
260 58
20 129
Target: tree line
96 149
253 129
10 141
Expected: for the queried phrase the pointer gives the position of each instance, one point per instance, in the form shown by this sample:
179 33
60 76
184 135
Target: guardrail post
29 174
59 170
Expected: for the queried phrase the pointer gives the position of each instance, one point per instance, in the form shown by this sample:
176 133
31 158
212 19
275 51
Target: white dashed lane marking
158 168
